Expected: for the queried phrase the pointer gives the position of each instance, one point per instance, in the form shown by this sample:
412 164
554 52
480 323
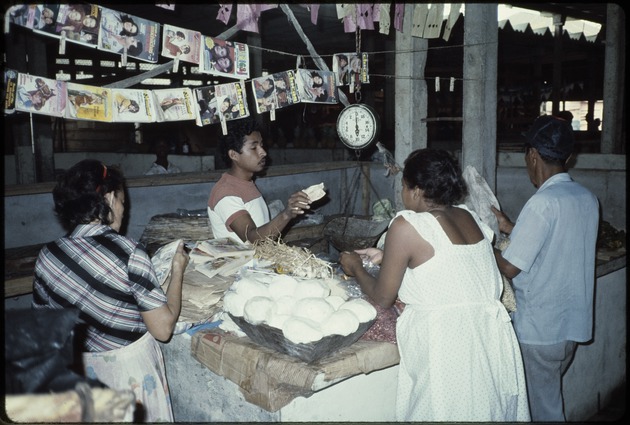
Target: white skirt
139 367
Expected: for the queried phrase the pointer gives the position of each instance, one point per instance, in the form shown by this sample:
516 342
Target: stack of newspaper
222 257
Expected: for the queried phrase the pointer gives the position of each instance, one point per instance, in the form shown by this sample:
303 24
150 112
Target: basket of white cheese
298 317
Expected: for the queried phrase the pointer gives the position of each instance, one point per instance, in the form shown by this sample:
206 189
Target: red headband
98 188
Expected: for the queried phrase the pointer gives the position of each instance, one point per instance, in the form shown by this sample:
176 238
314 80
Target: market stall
266 375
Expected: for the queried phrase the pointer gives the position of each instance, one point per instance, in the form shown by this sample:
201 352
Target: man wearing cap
551 261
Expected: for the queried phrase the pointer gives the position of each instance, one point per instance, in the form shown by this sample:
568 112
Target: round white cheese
257 310
313 308
361 308
301 331
311 288
341 322
234 303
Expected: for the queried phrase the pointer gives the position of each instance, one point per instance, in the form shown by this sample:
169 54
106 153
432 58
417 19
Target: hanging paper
224 58
420 14
275 91
9 90
220 103
351 68
452 19
433 25
181 43
133 105
384 18
76 23
174 104
317 86
86 102
140 36
40 95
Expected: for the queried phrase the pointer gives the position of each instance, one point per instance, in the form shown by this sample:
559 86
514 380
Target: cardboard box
270 379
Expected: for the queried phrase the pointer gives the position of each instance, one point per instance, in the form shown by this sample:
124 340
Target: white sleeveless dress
459 356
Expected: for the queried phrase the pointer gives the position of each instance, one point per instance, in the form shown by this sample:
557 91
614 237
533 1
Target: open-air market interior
469 79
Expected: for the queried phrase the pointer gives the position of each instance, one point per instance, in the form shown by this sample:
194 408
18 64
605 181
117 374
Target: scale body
358 125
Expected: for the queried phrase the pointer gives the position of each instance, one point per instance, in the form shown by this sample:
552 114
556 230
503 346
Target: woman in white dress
459 356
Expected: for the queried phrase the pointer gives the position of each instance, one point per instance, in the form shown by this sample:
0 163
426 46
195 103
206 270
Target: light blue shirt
553 243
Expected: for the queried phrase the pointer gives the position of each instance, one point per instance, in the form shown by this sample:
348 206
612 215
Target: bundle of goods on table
279 296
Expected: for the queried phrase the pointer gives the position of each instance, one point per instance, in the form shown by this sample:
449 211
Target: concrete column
613 128
479 129
411 95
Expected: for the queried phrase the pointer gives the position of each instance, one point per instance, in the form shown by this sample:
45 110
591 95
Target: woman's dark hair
437 173
128 19
235 137
79 195
317 74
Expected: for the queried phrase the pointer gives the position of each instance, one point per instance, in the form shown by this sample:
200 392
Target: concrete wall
29 218
136 164
604 175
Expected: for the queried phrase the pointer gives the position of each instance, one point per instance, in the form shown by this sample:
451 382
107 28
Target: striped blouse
107 276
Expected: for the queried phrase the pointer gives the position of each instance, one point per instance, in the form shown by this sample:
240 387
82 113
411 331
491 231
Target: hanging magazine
133 105
87 102
316 86
45 18
222 101
78 23
275 91
224 58
206 106
119 32
181 43
22 15
40 95
174 104
9 89
351 67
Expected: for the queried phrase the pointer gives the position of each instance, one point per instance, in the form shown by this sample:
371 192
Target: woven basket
274 338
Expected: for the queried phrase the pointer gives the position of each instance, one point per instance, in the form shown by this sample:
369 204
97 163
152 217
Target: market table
215 376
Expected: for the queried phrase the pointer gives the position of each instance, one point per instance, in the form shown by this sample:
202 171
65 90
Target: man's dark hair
235 137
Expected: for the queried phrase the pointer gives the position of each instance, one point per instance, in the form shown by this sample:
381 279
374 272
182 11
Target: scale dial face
358 125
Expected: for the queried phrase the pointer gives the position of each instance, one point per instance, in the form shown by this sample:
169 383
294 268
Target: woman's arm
400 242
161 321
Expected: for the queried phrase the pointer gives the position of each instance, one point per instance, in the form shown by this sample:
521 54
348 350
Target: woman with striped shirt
111 280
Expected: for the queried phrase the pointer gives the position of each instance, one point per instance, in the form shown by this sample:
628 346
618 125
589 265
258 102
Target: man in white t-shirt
236 207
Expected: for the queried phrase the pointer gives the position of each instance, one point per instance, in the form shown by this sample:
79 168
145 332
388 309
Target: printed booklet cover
350 67
182 43
275 91
220 102
317 86
87 102
224 58
175 104
79 23
133 105
9 90
119 31
40 95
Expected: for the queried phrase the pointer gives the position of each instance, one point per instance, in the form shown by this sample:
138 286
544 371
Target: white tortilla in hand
315 192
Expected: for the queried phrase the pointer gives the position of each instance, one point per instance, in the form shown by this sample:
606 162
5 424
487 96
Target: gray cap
551 136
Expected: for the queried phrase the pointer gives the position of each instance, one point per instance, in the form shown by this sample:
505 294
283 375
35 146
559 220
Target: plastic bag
39 351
